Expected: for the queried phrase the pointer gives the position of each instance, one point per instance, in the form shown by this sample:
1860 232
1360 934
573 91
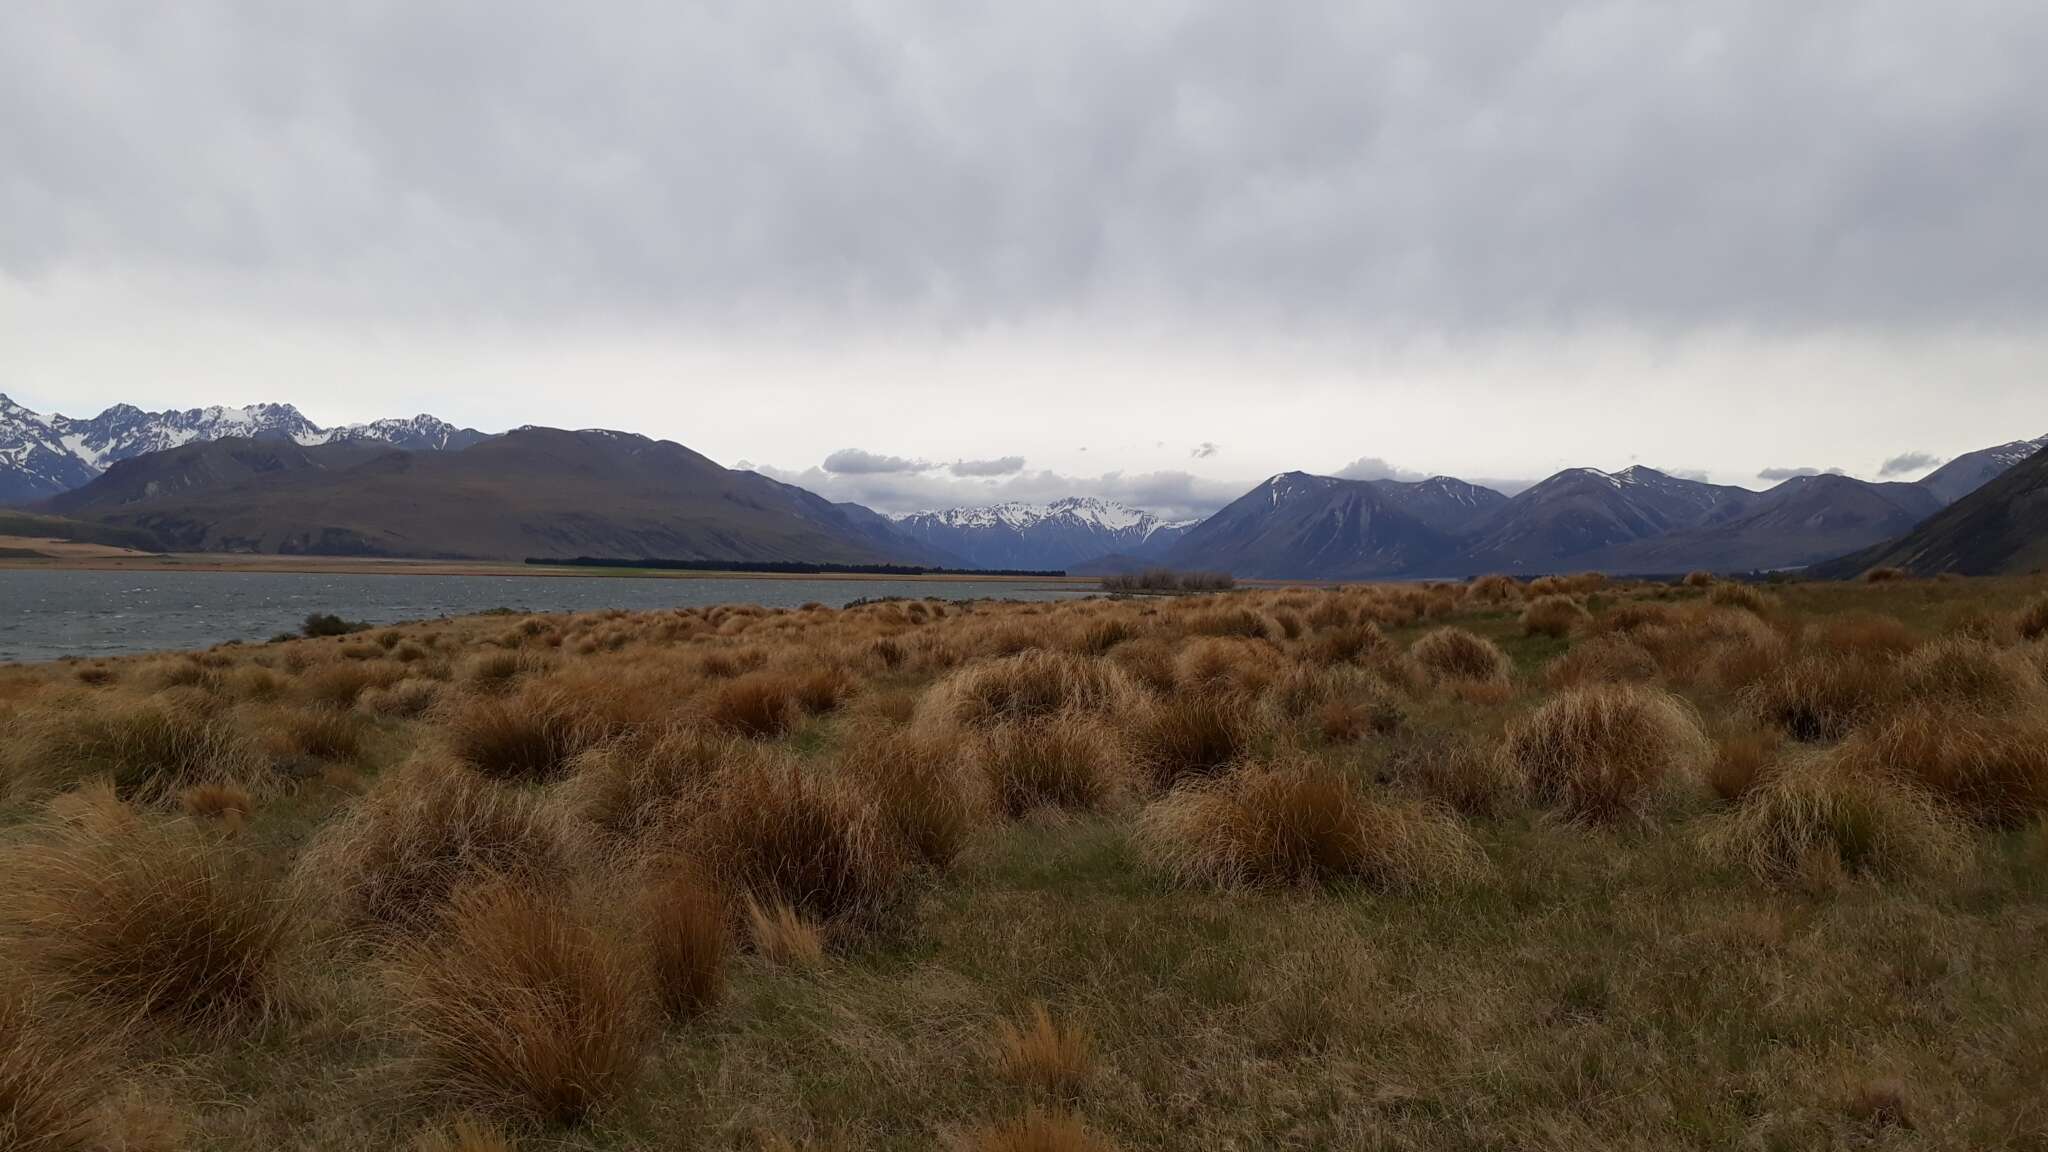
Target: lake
48 614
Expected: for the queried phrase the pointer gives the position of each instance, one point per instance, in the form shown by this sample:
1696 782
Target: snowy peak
1065 532
41 456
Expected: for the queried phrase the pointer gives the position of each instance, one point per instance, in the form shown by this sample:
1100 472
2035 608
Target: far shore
64 556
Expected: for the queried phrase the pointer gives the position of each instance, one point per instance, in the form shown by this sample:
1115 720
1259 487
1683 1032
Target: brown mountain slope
534 492
2000 528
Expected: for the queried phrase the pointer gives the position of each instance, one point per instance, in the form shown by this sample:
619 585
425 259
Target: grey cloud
857 462
1694 474
1375 468
1789 473
1906 463
1170 494
1452 165
1204 450
1000 466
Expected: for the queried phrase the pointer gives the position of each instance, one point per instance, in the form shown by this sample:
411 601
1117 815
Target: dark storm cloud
1907 463
857 462
1000 466
1754 163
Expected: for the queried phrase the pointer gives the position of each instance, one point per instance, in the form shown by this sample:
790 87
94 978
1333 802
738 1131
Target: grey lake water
48 615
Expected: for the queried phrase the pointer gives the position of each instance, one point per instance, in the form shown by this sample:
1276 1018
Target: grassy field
1567 865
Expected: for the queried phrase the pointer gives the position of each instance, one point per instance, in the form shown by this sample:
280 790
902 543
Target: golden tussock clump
1994 770
229 804
410 697
1067 761
1453 655
821 845
1034 683
1814 815
527 737
393 858
144 915
340 683
1213 664
783 936
1347 643
1745 597
1053 1056
1739 761
2032 621
1242 622
150 749
626 788
524 1007
1970 674
466 1135
52 1074
1463 774
686 919
1863 634
1600 752
1553 616
1698 580
922 783
1493 589
1037 1131
1820 697
1300 822
1604 659
1186 735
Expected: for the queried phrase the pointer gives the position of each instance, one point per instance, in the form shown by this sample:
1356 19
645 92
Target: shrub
821 846
1167 580
1038 1051
1300 822
1066 761
391 861
1028 684
1883 575
51 1078
147 916
525 1007
685 918
1552 616
1453 655
530 736
1810 813
1994 770
1698 579
1599 752
1186 735
328 624
921 784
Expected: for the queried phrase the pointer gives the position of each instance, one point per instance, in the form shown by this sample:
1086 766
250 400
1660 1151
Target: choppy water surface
46 615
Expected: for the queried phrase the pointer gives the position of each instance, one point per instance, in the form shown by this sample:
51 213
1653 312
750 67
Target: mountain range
2001 527
41 456
265 479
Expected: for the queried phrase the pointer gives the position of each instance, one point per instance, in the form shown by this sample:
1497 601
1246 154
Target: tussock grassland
1565 863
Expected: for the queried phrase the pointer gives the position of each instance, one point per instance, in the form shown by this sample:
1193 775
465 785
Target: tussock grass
150 750
2032 621
923 784
686 919
1553 616
1964 673
1053 1056
1454 656
1037 1131
1993 769
391 862
1602 659
628 788
1813 817
144 915
1821 697
1026 685
52 1075
528 737
783 936
1746 597
1493 589
1069 761
1188 736
1300 822
1601 752
467 1134
1740 758
525 1007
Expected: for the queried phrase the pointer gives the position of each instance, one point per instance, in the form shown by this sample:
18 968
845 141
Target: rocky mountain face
1055 536
41 456
1972 470
1299 525
532 492
2001 528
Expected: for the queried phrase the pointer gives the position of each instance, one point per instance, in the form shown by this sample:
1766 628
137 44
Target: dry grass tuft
1745 597
685 918
466 1135
145 915
51 1078
527 737
783 936
1187 735
1067 761
1300 822
922 783
1604 659
1600 752
1453 655
1698 579
1346 643
1994 770
2032 621
627 788
1740 758
822 846
392 860
1553 616
1026 685
525 1007
1879 1104
150 749
230 804
1964 673
1053 1056
1812 814
1493 589
1820 697
1038 1132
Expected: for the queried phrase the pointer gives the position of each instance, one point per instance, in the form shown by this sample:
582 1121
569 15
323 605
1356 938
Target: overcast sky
936 252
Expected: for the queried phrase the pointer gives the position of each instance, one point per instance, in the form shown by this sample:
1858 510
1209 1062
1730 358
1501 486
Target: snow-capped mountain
1056 535
43 455
1972 470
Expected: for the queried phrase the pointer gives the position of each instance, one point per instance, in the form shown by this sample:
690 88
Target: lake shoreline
402 566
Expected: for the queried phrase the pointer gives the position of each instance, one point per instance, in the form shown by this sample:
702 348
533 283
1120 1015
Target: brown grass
627 788
1454 655
527 737
52 1075
526 1007
1819 697
783 936
1600 752
1304 823
1604 659
923 784
1994 769
1553 616
1026 685
150 749
393 859
145 915
1067 761
1053 1056
1187 736
1493 589
1038 1132
467 1134
1812 815
686 919
1964 673
2032 621
820 845
228 803
1740 758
